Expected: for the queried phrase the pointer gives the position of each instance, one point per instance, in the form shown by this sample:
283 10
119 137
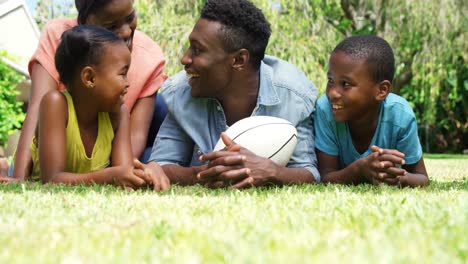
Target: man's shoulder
176 86
285 75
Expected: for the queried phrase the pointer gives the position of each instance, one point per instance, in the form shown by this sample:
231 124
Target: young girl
145 76
83 132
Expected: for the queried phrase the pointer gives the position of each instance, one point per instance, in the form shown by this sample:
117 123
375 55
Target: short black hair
375 50
81 46
86 7
243 24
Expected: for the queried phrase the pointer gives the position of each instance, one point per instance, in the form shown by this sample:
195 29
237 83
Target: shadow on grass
199 190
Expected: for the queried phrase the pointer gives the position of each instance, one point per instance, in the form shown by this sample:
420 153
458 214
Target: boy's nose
333 93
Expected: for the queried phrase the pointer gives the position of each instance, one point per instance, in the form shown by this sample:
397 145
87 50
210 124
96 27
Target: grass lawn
283 225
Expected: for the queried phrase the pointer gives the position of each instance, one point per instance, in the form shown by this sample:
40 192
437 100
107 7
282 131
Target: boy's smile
351 91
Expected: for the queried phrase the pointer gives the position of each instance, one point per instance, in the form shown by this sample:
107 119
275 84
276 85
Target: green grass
308 223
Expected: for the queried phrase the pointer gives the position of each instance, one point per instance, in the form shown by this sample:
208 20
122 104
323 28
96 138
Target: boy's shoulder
397 110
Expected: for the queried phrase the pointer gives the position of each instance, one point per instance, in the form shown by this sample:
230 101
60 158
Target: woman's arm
140 120
41 83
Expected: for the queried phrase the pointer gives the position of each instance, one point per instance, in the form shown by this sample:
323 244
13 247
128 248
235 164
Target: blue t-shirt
396 129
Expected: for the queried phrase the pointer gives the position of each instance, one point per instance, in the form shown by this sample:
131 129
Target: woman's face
117 16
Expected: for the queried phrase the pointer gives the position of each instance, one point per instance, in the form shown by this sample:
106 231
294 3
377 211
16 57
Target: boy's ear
383 90
240 59
88 77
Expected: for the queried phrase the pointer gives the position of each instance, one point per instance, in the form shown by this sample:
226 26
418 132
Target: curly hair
375 50
243 26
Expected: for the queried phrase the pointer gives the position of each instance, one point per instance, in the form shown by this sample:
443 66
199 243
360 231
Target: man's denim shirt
193 125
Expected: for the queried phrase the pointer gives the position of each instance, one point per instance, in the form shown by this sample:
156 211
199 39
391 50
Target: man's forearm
293 176
182 175
349 175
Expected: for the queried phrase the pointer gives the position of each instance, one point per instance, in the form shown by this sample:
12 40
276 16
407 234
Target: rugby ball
266 136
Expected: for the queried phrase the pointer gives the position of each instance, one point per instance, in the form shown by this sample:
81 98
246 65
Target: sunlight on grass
295 224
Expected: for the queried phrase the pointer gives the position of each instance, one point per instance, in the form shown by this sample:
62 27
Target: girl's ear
384 88
88 77
240 59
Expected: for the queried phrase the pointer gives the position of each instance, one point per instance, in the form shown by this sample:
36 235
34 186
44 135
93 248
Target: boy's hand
391 161
153 173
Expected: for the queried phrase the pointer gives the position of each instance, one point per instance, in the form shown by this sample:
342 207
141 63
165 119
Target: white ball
266 136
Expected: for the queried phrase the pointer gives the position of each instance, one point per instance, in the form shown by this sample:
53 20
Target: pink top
146 70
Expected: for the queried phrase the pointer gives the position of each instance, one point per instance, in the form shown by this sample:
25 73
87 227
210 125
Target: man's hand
154 173
237 166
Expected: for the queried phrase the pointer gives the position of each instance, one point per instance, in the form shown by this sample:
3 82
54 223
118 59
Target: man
227 78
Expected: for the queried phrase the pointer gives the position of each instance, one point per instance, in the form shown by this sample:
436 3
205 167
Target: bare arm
42 83
416 175
52 150
182 175
331 173
140 119
121 148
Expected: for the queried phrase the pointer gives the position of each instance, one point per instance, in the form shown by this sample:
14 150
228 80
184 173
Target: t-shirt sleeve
408 141
325 135
156 79
45 52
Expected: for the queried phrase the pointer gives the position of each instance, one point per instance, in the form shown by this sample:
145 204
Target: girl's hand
154 175
8 180
128 180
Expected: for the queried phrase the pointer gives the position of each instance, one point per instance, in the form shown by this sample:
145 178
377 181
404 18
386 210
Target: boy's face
351 91
206 62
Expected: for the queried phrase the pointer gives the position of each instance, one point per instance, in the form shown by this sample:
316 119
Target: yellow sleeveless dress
77 161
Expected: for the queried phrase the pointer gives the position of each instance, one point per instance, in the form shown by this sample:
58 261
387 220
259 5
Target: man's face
350 88
206 62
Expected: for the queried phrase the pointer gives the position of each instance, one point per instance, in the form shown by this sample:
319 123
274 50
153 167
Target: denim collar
267 94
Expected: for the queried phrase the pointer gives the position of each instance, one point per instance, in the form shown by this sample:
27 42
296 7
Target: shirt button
218 107
199 153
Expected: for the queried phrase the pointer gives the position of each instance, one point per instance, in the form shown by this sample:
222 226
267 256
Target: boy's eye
330 81
346 84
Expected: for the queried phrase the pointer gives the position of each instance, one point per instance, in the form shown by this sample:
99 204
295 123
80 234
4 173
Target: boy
364 133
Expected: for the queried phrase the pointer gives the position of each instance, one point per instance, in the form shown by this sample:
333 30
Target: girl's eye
330 81
346 84
111 27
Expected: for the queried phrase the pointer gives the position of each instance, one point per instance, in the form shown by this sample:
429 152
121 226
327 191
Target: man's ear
240 59
384 88
88 77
